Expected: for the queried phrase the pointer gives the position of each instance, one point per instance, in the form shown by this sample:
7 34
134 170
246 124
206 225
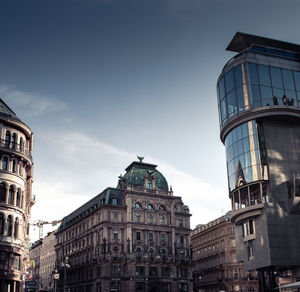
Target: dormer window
150 185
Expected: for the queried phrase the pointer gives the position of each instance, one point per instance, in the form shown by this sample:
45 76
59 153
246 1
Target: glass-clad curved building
259 112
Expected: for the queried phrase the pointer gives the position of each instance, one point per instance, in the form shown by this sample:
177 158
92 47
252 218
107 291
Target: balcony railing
15 147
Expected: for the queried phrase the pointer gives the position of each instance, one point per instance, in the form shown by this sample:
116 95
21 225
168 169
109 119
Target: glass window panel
248 174
238 133
279 94
264 75
223 109
298 95
246 144
238 76
247 159
297 80
255 95
231 103
266 95
240 147
240 99
245 131
253 73
288 80
235 149
229 81
221 87
276 77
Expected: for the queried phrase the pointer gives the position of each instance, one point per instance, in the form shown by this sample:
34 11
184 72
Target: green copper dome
137 172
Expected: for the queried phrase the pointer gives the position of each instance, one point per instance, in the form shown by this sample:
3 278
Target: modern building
215 265
259 110
135 237
16 200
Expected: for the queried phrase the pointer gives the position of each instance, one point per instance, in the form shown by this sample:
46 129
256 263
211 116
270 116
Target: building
34 266
215 265
47 262
16 198
259 100
135 237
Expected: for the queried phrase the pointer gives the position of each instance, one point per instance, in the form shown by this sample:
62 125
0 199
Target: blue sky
101 81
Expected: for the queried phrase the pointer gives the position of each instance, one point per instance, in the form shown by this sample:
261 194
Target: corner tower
16 166
259 112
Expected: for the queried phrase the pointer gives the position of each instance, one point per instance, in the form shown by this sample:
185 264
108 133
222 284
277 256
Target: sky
102 81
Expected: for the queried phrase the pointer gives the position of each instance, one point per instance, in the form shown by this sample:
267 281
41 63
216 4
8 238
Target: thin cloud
29 103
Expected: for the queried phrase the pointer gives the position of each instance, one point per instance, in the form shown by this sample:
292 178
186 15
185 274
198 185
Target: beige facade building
16 200
47 262
215 262
135 237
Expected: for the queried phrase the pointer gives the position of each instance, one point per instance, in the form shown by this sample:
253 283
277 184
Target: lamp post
65 265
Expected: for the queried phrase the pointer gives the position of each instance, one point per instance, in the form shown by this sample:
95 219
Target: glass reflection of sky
242 153
266 82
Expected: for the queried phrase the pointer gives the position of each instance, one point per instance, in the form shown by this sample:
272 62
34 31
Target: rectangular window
153 272
114 202
150 237
248 228
165 271
116 217
250 251
140 271
138 236
162 237
115 235
138 217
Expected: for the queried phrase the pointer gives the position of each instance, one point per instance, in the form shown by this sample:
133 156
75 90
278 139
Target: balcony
15 147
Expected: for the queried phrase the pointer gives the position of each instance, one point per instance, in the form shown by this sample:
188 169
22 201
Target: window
163 255
150 219
179 208
153 272
162 219
140 271
21 144
4 163
250 250
11 196
115 251
151 253
162 237
150 186
1 223
2 192
165 271
150 236
13 140
138 235
137 205
115 235
114 202
9 225
248 227
14 165
138 252
116 217
16 231
138 217
162 208
150 207
180 222
19 198
7 139
181 239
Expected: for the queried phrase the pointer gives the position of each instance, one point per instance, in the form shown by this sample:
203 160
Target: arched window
21 144
19 198
1 223
150 186
162 208
5 163
7 139
22 201
13 140
2 192
138 252
9 225
16 231
14 165
150 207
11 195
137 205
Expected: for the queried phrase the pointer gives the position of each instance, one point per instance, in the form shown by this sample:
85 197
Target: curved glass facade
268 86
245 155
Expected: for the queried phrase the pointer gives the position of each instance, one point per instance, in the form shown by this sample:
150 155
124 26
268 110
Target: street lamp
65 265
55 278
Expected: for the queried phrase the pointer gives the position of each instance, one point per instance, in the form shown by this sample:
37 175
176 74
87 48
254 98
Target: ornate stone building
135 237
215 262
16 166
